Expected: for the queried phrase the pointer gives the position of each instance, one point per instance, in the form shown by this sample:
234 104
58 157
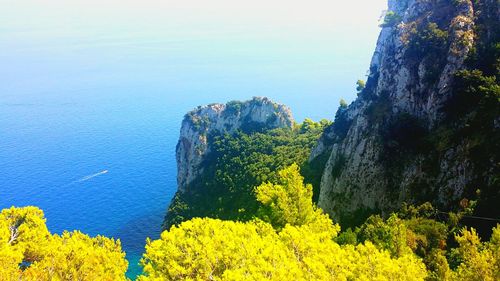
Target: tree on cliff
289 201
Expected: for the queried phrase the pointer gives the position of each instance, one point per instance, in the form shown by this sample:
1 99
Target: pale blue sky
313 48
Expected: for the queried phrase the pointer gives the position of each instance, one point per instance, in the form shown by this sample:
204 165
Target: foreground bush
28 251
296 244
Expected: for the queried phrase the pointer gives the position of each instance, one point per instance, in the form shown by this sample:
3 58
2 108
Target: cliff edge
258 114
199 129
418 131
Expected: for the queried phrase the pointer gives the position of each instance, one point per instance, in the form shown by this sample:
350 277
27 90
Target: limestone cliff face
376 157
216 119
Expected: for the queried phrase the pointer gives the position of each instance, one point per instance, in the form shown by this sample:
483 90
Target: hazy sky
316 47
315 15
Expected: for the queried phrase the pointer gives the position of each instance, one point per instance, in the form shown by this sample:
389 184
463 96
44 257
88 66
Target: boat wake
86 178
92 176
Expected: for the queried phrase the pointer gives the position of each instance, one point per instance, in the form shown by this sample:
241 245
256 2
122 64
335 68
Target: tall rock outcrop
198 125
403 139
199 130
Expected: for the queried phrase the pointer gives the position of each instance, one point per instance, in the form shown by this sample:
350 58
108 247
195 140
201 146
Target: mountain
425 127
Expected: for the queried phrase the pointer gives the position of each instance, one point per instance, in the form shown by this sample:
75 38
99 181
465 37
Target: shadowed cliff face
205 122
398 142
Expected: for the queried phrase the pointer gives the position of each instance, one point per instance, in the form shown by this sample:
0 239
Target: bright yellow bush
289 201
29 252
293 240
210 249
480 261
494 247
203 249
299 247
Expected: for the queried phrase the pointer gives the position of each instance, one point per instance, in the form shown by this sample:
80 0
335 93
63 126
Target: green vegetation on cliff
299 247
436 138
239 162
292 239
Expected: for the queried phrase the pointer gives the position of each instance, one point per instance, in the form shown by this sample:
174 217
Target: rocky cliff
200 191
415 133
217 119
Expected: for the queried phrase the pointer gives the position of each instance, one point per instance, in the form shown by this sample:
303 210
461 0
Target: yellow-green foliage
480 261
29 252
201 249
413 230
390 235
494 246
289 201
210 249
301 247
293 240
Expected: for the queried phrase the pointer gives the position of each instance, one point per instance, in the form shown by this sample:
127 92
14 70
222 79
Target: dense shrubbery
291 239
419 231
237 164
29 252
209 249
299 247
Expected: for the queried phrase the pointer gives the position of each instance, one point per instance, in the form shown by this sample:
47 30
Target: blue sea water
90 113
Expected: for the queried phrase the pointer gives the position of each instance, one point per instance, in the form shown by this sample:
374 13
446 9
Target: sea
90 110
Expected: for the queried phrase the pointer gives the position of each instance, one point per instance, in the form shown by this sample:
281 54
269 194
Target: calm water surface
91 102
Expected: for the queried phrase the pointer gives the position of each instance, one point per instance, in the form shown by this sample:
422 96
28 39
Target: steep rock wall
382 148
216 119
